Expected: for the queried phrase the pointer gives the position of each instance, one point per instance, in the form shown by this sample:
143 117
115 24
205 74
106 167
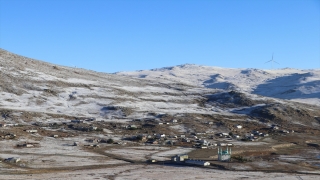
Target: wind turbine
272 61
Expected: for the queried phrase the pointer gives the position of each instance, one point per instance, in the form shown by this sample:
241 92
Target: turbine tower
272 61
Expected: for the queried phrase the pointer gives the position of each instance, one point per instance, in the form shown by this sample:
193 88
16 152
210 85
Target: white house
222 144
32 131
239 126
225 134
28 145
7 125
174 121
161 135
285 131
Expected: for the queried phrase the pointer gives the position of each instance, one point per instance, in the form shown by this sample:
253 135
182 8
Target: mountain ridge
280 83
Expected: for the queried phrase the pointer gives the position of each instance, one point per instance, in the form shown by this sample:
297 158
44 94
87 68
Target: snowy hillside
30 85
56 92
291 84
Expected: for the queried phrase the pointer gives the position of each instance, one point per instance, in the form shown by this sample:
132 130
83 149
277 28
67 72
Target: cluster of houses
8 125
29 144
193 139
83 127
275 127
12 160
94 142
163 139
8 136
255 135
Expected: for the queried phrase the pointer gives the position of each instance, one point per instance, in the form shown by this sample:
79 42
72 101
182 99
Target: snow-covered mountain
52 92
291 84
31 85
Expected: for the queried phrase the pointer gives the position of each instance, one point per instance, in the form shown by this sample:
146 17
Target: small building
132 126
222 144
180 158
239 126
93 128
224 155
32 131
174 121
223 134
285 131
152 160
28 145
55 135
160 136
255 132
94 140
10 125
90 119
9 136
236 136
203 142
12 160
197 162
142 137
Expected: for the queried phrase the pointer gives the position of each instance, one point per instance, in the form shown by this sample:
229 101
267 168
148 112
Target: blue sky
128 35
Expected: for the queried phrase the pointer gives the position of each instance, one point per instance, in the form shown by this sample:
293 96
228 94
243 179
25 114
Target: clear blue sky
127 35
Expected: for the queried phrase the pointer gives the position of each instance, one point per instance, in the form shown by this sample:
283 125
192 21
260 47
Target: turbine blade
268 61
276 62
